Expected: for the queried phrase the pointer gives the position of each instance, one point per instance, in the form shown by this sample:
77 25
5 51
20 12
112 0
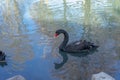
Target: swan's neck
65 41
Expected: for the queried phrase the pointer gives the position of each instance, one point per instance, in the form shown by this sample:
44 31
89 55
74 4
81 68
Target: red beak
55 35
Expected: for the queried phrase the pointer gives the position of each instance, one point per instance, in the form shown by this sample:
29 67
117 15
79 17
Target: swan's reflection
65 57
3 63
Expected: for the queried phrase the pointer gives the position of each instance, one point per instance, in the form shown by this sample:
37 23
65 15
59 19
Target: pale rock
102 76
17 77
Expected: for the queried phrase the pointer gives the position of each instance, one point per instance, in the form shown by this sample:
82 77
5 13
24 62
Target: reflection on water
65 57
26 36
3 63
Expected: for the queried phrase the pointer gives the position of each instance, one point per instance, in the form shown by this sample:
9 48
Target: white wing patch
77 43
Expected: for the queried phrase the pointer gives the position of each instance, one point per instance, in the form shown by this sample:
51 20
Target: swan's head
59 32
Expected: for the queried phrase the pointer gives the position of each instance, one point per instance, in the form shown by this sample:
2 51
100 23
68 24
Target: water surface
26 36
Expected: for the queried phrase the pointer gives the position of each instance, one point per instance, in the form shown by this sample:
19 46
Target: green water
26 36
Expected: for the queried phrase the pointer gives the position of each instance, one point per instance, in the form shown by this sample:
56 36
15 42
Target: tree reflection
87 12
43 15
11 37
65 13
87 20
12 19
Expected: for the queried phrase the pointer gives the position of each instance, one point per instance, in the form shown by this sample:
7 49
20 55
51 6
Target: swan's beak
55 35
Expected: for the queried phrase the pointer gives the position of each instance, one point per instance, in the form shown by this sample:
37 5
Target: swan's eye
55 35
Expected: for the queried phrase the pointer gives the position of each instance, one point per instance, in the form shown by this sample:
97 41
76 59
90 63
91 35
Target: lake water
27 28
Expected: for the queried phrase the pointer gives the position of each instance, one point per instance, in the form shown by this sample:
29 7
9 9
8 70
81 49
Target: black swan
75 47
2 56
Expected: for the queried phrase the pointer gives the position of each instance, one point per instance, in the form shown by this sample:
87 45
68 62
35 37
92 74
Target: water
26 36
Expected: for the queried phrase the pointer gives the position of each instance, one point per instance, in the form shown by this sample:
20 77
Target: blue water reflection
26 36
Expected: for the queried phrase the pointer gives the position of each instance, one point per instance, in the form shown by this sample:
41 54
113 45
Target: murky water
26 36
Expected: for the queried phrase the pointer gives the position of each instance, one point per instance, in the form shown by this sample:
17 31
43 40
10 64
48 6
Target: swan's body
2 56
75 47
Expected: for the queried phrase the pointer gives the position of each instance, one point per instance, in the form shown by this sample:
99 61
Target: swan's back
79 46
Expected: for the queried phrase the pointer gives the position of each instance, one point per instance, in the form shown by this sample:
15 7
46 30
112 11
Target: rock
17 77
102 76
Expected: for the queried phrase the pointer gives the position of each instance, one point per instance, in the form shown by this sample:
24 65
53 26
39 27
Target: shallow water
26 36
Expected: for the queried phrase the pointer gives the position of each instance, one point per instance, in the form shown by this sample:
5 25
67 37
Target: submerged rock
17 77
102 76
